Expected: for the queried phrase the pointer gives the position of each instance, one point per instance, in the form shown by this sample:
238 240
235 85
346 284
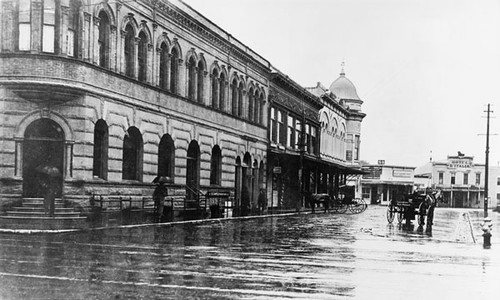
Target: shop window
366 193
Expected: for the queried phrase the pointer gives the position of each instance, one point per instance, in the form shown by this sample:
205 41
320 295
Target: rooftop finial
342 65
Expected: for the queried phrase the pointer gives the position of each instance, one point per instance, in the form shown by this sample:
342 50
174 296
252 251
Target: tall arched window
191 78
164 66
100 166
215 88
222 92
49 26
250 105
215 166
240 99
193 170
132 154
200 82
234 97
142 56
72 38
166 157
174 70
103 40
129 50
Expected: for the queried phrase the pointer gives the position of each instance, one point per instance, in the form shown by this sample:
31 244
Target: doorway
43 148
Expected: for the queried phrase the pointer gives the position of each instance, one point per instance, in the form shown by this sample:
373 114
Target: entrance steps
31 215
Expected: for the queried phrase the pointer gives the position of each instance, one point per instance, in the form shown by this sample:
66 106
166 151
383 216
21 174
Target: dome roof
344 88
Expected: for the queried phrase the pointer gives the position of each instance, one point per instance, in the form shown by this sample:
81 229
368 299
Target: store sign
374 173
401 173
277 170
460 163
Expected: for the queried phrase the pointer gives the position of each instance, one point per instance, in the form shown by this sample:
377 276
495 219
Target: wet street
321 256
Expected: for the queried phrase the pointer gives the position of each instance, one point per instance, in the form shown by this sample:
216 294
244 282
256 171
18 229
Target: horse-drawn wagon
345 201
415 205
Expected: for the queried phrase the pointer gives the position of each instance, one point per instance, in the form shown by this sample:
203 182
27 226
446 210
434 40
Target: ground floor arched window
132 155
166 157
100 165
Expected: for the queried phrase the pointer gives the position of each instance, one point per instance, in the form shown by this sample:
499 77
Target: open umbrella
161 179
49 170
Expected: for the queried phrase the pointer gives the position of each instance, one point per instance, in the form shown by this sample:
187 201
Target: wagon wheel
357 206
390 213
339 207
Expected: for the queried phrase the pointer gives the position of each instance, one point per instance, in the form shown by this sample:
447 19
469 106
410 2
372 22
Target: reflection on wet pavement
322 256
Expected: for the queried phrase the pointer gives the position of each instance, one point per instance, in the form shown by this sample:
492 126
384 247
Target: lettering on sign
401 173
460 163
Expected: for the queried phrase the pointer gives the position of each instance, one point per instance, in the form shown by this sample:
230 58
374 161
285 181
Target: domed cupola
343 88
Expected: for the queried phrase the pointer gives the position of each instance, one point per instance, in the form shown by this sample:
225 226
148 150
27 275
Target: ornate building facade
114 94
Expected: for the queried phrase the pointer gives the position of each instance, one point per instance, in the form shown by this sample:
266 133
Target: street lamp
487 226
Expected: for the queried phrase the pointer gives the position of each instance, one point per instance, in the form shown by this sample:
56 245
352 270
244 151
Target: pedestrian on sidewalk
262 201
159 195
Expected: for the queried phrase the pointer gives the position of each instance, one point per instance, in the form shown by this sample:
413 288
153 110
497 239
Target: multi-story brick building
116 93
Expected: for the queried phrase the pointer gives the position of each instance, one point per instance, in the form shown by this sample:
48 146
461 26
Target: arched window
215 88
142 56
100 166
222 92
191 78
73 34
164 66
24 23
174 70
256 114
193 170
129 50
216 166
200 82
166 157
103 41
240 99
250 105
132 155
49 26
234 97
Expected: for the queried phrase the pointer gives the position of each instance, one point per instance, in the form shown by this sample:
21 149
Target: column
18 156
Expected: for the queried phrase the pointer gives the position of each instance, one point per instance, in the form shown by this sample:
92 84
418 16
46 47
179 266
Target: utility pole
487 226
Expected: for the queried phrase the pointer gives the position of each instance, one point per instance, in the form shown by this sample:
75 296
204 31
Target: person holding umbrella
159 195
50 188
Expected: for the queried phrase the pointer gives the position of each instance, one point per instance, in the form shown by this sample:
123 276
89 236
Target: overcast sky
425 69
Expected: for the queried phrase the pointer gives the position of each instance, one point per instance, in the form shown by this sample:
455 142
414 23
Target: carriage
344 202
415 205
